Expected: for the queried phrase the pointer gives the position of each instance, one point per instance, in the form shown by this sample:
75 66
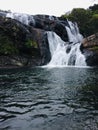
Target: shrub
6 46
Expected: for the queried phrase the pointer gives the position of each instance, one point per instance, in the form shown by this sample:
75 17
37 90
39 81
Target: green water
49 99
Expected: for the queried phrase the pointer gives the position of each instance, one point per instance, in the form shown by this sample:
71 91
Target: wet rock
91 57
30 40
89 48
18 38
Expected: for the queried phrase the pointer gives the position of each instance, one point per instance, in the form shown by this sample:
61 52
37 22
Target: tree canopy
87 19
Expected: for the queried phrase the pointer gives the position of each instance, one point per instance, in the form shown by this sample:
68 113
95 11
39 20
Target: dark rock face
51 23
90 41
89 48
91 57
40 36
15 31
25 42
17 39
59 29
28 41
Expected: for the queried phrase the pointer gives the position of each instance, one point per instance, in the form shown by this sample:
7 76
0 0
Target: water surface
49 99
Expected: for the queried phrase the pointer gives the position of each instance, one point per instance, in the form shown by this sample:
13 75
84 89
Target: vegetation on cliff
22 44
17 44
87 19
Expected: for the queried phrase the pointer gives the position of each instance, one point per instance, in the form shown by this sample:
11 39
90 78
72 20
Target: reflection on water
49 99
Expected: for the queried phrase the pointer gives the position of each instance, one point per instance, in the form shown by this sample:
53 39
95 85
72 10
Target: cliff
24 40
90 41
90 49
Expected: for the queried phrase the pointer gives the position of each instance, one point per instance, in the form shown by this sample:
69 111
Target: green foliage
94 7
65 16
31 43
81 16
95 48
95 16
93 23
87 19
6 46
34 44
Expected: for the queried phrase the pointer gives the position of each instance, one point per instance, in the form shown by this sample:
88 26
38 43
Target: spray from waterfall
66 53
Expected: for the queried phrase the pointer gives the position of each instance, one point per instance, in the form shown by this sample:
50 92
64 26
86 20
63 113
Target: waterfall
23 18
62 53
73 32
66 53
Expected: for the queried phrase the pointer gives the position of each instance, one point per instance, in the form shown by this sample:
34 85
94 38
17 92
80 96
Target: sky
49 7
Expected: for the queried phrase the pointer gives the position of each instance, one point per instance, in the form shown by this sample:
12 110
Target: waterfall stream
66 53
23 18
62 53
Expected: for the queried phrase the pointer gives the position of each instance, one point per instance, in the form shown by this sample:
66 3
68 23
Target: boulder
52 23
18 40
90 41
89 48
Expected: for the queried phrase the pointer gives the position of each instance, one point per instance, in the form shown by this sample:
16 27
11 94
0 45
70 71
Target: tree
87 19
94 7
94 23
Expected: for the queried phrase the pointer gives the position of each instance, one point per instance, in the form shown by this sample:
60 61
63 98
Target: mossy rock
6 46
94 48
30 43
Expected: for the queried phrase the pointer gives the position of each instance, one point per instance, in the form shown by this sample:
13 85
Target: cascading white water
23 18
62 53
57 49
66 54
73 32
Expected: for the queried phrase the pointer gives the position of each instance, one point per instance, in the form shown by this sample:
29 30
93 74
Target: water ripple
46 99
